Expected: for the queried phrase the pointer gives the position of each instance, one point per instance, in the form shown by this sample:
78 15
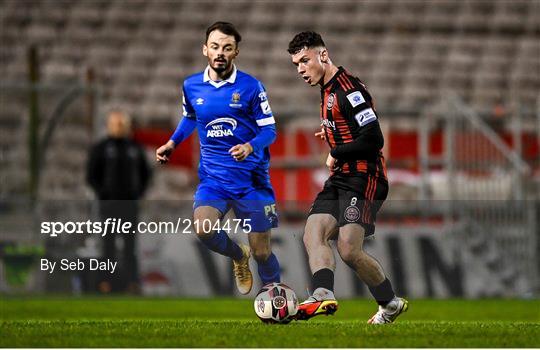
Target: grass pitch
142 322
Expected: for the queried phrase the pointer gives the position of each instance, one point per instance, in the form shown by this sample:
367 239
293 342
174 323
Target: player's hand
164 152
240 152
321 134
331 163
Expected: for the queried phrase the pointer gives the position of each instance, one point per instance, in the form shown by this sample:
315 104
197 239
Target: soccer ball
276 303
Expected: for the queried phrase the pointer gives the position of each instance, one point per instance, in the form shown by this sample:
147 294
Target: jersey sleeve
260 107
187 109
357 104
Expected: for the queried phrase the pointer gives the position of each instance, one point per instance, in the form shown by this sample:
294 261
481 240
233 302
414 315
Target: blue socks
222 244
269 270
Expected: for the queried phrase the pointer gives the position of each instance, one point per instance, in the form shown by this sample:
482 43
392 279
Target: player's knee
348 252
204 224
314 238
202 234
261 254
310 238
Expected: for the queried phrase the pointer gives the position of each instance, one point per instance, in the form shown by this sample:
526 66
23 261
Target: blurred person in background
119 173
351 197
231 112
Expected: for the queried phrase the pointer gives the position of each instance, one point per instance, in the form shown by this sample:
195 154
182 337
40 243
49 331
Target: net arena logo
221 127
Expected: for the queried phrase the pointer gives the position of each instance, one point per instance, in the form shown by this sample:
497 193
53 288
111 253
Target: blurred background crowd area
419 59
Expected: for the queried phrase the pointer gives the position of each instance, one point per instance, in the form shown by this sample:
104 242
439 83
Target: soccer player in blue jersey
231 112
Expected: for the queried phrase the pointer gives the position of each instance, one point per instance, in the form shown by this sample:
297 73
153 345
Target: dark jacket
117 169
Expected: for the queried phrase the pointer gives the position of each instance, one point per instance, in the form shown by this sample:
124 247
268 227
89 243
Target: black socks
383 293
324 278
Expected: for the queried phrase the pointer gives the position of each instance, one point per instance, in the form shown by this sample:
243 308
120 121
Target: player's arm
267 127
357 106
321 133
367 145
182 132
331 163
185 128
264 138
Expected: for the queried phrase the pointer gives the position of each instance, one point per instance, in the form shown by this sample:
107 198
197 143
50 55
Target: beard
220 67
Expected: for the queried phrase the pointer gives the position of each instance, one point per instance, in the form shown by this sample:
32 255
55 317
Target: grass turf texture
140 322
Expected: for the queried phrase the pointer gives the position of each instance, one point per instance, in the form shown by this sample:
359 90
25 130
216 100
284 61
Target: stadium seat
409 53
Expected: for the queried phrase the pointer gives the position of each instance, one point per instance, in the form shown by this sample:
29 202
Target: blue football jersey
228 113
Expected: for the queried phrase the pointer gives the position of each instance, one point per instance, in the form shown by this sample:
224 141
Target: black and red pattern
341 127
352 199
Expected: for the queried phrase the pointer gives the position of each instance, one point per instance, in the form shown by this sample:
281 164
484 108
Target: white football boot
390 312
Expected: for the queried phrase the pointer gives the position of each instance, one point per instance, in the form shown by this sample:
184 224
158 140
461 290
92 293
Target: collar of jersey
218 84
333 79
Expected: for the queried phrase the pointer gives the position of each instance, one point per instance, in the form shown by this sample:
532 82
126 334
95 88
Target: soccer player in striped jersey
346 207
231 112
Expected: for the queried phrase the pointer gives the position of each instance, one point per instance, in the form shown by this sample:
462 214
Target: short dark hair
305 40
226 28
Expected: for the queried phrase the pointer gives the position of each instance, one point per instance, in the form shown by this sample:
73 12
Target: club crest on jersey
330 101
221 127
352 213
235 98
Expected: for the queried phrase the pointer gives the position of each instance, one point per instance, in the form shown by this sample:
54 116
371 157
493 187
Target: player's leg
257 210
204 219
221 243
350 248
267 263
320 227
357 221
209 207
368 269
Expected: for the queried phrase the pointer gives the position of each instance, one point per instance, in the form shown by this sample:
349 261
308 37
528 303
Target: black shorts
352 199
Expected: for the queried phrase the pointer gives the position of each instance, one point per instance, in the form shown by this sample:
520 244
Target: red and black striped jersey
351 126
